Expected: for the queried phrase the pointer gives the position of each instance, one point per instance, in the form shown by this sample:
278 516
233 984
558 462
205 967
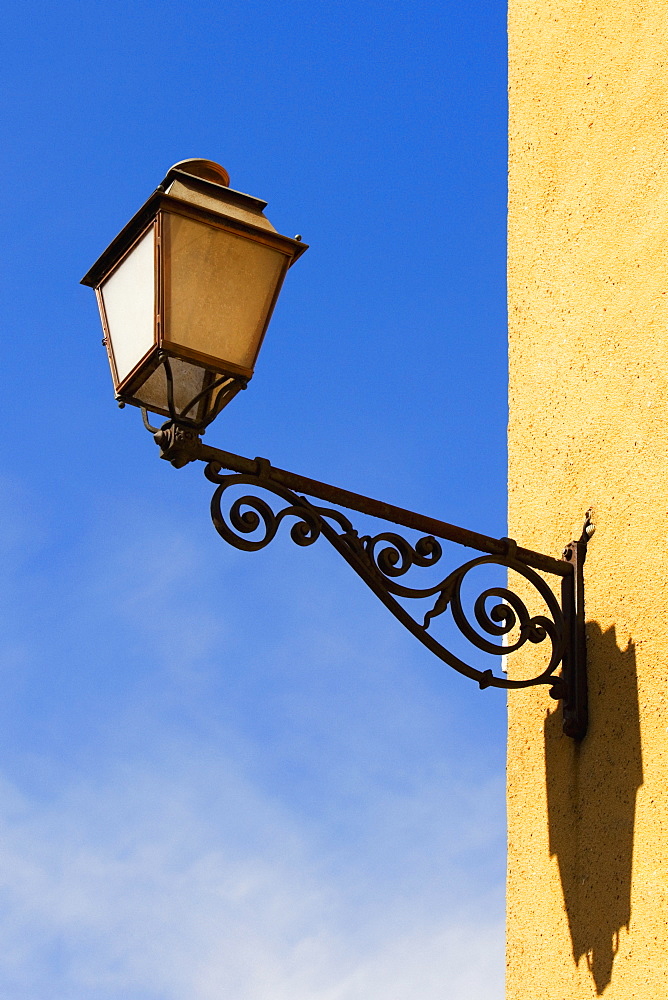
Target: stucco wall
588 307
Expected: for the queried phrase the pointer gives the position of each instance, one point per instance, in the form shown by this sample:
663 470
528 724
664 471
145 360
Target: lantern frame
226 377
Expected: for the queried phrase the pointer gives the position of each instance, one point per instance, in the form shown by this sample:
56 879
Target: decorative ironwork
501 622
380 560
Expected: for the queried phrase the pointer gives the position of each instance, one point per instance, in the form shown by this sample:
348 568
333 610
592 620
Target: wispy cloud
279 815
185 882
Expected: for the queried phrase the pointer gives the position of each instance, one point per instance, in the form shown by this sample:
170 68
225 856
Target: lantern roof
204 185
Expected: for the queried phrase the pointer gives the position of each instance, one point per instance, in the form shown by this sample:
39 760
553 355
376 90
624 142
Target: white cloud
144 886
199 812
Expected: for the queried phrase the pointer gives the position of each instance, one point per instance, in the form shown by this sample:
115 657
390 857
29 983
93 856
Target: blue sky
227 774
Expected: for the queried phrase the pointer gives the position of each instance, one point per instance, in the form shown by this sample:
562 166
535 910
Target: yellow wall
588 304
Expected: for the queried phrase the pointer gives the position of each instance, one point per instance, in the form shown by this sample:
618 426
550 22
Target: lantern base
179 406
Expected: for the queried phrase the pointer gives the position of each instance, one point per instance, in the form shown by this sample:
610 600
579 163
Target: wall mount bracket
250 522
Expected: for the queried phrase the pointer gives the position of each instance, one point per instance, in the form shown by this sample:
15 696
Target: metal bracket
574 669
250 522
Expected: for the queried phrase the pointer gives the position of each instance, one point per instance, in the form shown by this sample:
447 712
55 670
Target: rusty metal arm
251 523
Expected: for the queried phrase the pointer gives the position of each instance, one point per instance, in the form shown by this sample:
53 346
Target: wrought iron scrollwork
500 621
382 560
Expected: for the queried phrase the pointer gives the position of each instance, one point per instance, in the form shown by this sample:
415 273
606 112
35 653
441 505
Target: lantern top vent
205 183
206 169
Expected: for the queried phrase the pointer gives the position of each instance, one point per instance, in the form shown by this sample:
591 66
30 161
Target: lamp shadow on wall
591 801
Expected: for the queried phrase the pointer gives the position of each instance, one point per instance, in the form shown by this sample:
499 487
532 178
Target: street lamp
186 292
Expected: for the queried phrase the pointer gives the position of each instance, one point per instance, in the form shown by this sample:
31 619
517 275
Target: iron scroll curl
251 523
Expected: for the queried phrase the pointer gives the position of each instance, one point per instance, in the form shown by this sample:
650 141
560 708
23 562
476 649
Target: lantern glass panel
128 296
219 290
188 381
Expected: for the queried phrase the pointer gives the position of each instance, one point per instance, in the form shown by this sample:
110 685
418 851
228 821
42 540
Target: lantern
186 292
